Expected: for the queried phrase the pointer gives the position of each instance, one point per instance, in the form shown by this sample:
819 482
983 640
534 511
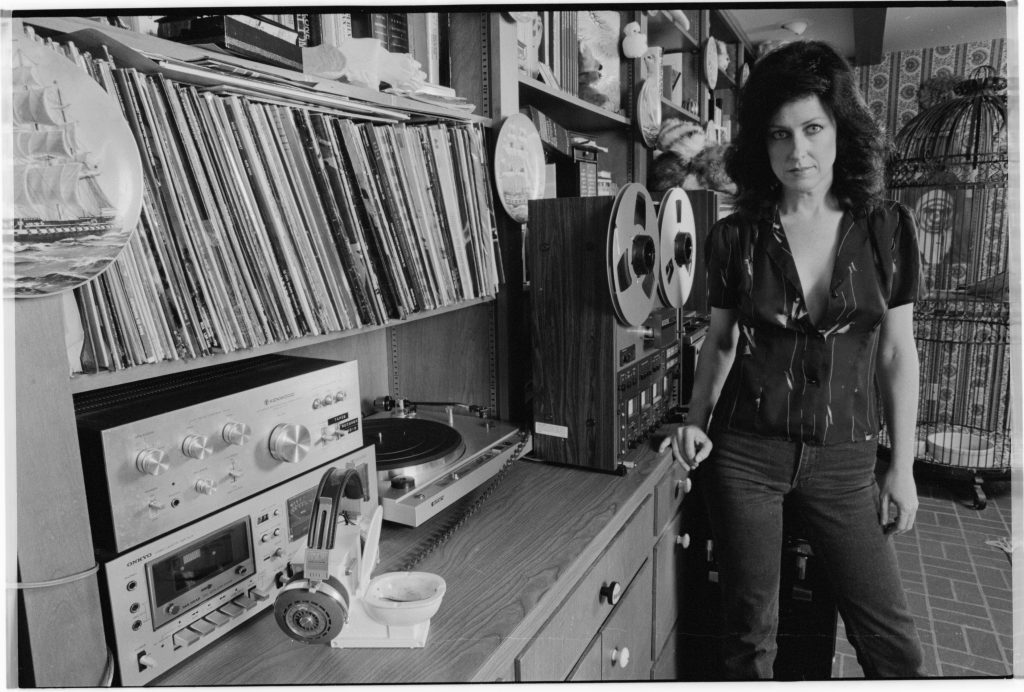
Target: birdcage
950 168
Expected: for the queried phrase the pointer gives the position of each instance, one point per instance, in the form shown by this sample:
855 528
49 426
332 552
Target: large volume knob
289 442
151 461
196 446
236 434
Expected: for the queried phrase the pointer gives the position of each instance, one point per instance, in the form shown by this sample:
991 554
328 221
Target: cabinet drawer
562 640
668 495
669 556
626 637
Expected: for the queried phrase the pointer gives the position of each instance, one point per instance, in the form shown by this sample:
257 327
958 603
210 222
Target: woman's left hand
898 500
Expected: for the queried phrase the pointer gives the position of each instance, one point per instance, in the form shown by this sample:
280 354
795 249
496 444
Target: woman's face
802 146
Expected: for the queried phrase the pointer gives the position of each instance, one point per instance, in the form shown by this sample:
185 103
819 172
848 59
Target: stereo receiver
179 593
172 449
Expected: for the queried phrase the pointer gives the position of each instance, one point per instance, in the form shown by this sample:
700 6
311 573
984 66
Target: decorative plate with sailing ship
75 172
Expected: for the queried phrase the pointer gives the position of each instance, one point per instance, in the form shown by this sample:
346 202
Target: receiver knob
196 446
289 442
205 487
236 434
151 461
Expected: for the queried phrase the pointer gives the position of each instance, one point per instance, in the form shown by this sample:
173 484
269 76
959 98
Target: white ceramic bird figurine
634 44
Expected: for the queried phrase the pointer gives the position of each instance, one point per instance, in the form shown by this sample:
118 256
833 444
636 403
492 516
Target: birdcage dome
964 135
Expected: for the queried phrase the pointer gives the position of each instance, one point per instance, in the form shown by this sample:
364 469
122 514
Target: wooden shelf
565 107
88 382
673 38
671 110
725 81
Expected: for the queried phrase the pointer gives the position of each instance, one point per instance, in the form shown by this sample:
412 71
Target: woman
811 284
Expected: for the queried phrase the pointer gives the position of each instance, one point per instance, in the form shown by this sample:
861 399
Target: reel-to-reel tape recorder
608 277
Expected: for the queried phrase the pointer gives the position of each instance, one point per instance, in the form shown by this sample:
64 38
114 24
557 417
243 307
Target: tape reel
678 248
633 254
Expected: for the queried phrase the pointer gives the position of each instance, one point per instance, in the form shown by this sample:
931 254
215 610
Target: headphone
313 607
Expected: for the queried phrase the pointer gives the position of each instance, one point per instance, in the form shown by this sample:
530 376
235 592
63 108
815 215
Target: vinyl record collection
266 219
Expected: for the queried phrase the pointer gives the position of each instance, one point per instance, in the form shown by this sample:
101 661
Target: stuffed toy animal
683 159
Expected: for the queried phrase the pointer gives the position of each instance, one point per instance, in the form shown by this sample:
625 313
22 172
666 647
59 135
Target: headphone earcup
312 614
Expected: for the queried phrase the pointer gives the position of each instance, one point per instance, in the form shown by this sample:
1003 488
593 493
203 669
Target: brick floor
958 587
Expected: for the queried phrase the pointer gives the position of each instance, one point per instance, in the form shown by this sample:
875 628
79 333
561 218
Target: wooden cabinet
559 644
671 548
588 638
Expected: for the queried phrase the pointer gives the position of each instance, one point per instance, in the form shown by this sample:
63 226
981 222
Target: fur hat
686 161
685 139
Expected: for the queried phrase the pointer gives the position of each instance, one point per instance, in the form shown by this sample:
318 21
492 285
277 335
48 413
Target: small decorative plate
648 115
518 165
710 55
744 73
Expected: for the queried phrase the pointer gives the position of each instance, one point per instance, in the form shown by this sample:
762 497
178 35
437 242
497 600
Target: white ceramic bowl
404 598
961 449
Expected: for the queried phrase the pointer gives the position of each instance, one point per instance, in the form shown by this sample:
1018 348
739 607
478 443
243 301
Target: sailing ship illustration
56 193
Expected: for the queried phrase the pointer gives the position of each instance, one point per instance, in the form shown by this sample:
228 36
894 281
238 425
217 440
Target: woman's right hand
690 446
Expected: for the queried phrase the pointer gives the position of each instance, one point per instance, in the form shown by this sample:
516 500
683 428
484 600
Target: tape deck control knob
196 447
205 487
236 434
151 461
289 442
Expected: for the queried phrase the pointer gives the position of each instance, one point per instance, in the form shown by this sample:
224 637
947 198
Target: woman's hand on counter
690 446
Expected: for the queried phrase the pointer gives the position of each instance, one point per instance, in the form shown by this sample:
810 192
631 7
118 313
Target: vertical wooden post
65 638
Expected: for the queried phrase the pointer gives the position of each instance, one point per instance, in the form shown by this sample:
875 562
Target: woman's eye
777 134
814 129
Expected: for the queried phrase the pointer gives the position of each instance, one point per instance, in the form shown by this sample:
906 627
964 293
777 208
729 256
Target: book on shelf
390 28
553 135
425 43
251 36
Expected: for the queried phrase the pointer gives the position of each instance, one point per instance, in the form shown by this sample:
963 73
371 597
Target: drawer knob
620 657
683 486
683 540
611 592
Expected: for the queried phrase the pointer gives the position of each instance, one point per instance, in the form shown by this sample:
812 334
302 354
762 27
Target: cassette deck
177 594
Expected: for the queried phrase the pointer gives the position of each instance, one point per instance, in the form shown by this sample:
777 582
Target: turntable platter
413 448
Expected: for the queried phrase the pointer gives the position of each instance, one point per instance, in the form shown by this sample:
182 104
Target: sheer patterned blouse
792 379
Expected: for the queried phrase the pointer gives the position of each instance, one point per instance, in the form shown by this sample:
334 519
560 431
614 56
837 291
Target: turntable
428 460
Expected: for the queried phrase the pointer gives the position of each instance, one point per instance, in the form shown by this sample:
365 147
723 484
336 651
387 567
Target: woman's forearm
713 365
898 380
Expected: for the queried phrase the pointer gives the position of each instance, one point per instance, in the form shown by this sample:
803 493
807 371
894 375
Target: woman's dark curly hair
794 71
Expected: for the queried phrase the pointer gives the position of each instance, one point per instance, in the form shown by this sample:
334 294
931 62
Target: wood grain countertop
507 566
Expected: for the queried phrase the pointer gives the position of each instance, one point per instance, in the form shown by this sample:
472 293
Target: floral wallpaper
891 87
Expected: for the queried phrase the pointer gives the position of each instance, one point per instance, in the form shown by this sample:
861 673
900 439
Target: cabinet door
626 637
668 495
669 556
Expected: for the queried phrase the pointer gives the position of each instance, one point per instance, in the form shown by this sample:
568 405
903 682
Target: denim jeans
834 489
